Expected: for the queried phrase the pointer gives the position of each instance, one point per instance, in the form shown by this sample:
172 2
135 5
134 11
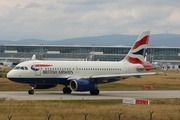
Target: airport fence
151 115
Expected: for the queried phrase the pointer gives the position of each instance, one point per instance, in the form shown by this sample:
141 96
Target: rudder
138 50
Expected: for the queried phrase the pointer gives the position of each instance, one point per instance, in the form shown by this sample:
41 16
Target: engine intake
82 85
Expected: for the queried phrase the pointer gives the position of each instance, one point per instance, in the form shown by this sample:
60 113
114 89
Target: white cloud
32 5
59 19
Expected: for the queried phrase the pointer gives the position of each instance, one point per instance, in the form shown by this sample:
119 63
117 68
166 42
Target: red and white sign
143 102
147 87
131 101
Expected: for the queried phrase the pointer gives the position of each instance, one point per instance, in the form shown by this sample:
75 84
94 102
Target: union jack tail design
138 51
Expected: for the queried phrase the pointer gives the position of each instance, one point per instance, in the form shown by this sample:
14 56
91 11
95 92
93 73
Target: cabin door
127 69
37 68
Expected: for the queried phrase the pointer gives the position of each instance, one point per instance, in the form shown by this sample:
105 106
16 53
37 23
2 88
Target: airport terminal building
165 55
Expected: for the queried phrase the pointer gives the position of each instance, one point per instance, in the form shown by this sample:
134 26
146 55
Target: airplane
83 76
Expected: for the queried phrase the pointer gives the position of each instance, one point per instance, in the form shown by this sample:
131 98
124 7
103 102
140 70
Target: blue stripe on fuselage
63 81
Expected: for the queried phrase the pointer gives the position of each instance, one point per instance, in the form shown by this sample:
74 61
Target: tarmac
58 95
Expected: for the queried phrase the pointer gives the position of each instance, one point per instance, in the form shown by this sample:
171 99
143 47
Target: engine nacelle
44 86
82 85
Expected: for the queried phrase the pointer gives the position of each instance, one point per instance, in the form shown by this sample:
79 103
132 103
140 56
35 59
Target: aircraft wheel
67 90
94 92
31 92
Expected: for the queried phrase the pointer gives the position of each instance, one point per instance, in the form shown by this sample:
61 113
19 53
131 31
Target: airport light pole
25 55
152 53
93 51
41 51
46 50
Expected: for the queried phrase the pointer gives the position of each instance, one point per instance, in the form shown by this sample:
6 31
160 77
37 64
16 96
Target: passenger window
26 68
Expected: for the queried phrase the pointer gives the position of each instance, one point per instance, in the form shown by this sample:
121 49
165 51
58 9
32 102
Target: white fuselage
65 69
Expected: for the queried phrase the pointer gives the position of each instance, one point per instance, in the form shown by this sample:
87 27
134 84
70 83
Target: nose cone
10 75
14 76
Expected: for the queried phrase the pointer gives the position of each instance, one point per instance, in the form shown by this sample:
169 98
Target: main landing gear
31 91
94 92
67 90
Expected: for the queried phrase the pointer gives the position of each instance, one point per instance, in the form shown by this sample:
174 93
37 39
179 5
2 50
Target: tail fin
138 50
33 57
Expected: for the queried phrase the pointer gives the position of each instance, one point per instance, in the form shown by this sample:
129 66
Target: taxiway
58 95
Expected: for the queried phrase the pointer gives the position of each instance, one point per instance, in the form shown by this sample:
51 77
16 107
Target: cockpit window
17 67
21 68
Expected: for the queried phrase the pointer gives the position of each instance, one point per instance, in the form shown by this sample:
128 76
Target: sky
62 19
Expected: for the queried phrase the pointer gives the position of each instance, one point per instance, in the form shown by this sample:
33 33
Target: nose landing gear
31 91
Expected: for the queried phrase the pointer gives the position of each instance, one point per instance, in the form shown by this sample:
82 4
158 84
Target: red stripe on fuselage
41 65
147 66
143 41
134 60
137 61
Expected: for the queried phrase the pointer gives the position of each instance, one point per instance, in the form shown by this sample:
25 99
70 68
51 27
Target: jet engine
82 85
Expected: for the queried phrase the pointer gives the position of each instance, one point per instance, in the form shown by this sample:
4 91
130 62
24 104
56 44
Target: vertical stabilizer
33 57
138 50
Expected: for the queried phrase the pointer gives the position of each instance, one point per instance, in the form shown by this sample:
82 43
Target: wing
101 78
